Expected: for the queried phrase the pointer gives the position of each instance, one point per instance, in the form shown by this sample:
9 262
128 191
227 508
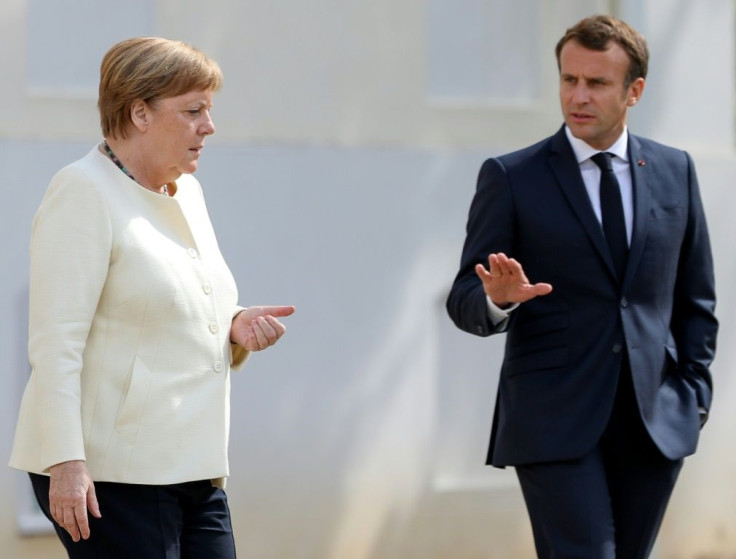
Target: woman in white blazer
134 325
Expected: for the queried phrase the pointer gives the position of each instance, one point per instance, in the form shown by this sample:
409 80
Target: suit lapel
642 204
567 172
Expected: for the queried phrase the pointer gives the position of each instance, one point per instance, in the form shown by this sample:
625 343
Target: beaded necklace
117 162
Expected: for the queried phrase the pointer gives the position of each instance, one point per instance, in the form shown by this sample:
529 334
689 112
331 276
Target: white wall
339 181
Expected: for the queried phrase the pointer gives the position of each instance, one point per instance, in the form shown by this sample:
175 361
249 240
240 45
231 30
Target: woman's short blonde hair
149 68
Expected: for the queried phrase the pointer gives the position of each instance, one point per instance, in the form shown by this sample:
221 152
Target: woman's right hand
71 493
257 328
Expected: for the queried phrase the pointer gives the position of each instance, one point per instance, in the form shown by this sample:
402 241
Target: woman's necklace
117 162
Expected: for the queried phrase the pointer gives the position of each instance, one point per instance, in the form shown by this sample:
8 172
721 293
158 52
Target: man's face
592 93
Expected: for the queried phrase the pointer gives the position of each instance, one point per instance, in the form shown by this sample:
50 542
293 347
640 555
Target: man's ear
139 114
635 91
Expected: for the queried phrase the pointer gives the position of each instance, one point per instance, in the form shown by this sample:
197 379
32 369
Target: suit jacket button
617 348
624 302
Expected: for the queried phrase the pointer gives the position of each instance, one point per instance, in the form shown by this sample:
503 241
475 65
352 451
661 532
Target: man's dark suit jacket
564 350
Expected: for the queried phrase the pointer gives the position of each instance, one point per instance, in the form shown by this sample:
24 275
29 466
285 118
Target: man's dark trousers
609 503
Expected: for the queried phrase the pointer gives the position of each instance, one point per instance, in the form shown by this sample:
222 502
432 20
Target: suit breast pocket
666 229
667 212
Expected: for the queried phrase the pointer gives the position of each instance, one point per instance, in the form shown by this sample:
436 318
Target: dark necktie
612 213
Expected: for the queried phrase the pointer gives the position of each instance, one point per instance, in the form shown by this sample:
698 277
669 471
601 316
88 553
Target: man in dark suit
605 381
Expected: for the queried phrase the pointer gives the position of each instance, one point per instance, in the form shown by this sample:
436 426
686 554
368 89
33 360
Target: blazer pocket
525 328
551 358
536 343
659 213
671 351
135 395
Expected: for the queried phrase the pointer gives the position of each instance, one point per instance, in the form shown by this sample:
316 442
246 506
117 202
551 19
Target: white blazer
130 310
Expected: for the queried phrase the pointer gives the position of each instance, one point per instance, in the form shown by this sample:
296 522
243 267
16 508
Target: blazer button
624 302
218 366
617 348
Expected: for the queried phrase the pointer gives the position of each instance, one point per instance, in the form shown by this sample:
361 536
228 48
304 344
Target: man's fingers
509 267
482 273
504 280
505 270
543 288
512 266
537 290
501 265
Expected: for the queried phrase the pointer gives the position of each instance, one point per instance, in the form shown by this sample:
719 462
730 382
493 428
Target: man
605 382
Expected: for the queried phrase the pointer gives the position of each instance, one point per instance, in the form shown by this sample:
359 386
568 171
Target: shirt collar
584 151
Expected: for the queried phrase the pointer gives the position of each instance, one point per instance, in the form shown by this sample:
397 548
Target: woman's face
176 132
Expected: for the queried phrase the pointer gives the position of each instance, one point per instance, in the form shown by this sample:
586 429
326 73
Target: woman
134 325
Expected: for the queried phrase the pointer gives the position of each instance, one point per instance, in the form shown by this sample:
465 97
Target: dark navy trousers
609 503
182 521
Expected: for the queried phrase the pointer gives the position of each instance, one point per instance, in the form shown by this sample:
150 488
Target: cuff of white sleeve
498 314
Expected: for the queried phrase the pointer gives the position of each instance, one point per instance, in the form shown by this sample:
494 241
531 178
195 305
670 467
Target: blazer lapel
642 204
567 172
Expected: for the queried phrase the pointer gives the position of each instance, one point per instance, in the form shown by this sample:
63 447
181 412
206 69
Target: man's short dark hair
597 32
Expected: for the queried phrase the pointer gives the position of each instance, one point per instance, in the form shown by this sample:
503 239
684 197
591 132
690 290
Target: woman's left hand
257 328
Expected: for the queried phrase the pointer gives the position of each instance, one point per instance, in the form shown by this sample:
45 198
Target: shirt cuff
497 314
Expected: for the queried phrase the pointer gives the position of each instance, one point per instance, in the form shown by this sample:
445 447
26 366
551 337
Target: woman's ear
139 115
